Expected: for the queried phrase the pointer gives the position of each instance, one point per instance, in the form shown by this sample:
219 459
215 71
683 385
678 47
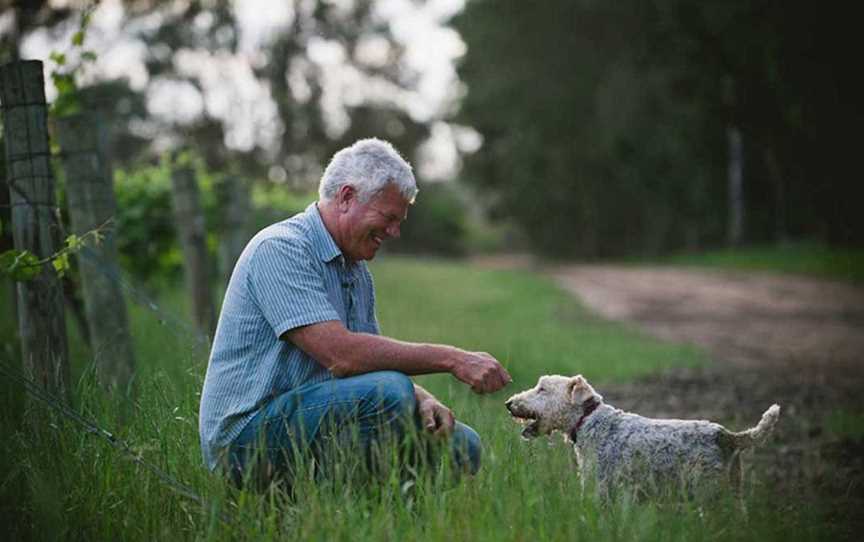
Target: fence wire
178 326
88 426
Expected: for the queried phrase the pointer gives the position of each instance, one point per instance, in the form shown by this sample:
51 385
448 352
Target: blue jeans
368 411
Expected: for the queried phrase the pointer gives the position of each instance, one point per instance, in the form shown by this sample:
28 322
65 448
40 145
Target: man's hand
436 418
480 371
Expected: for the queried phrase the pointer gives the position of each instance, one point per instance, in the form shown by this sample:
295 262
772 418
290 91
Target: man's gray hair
368 165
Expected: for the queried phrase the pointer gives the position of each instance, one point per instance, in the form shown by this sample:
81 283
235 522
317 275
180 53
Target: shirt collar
325 246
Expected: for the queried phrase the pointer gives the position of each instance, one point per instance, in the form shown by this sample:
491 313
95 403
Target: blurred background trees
607 126
587 129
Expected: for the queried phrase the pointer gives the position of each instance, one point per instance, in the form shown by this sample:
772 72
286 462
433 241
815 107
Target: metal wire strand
36 391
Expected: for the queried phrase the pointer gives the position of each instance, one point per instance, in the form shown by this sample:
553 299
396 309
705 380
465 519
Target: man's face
368 224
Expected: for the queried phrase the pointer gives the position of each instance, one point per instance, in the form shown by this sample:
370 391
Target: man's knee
467 448
394 391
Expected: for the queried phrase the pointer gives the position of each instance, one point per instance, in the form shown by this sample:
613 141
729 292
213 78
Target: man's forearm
347 353
364 353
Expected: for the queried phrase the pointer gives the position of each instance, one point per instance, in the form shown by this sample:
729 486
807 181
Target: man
297 353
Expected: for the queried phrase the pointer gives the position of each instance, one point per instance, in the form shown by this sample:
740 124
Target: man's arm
346 353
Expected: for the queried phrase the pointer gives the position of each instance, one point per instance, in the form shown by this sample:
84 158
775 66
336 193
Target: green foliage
604 123
66 102
437 223
145 236
61 264
65 75
273 203
145 233
845 424
23 265
20 265
583 145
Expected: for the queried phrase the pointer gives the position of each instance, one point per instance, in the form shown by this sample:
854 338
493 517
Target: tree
582 145
605 126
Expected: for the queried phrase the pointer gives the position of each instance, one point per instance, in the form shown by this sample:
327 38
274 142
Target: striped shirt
291 274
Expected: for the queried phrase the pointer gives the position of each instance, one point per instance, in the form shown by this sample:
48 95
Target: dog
618 449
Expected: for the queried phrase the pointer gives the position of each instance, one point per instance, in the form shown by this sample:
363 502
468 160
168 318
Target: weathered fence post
90 192
191 228
35 226
234 191
6 242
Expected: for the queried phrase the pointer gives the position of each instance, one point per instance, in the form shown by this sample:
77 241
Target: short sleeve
372 317
288 285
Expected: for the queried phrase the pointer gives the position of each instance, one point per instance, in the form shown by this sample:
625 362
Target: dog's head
554 404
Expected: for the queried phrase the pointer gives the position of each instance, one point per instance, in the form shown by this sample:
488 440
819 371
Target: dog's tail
755 435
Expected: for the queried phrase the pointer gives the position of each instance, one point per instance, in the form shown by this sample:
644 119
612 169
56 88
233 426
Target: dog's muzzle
529 419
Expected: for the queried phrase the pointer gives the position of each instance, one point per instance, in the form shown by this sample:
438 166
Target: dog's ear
576 389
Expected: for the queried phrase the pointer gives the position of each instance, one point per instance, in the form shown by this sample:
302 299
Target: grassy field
797 258
60 483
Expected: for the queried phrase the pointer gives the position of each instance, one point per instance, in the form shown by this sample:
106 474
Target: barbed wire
34 390
178 326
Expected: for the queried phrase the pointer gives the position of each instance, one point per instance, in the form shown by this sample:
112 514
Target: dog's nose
509 404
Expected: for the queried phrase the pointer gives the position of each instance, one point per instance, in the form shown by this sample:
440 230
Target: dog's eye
541 390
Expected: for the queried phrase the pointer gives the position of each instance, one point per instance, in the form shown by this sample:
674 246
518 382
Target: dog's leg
576 459
736 481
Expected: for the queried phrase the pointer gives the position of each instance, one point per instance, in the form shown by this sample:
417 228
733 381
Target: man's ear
345 196
576 389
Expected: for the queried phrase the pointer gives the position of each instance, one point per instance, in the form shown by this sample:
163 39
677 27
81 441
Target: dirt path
747 320
794 341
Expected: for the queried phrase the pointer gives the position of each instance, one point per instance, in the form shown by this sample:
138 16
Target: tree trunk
735 171
90 192
191 229
781 228
35 227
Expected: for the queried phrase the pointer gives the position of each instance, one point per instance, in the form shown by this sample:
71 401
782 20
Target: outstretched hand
481 371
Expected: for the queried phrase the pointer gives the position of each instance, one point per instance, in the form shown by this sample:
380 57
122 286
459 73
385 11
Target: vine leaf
20 265
61 264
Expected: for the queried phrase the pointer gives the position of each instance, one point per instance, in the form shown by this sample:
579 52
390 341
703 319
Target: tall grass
57 482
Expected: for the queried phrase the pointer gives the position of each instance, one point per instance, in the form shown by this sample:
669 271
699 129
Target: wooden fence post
90 193
234 191
35 225
192 231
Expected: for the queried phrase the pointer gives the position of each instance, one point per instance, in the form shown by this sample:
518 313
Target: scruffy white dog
620 449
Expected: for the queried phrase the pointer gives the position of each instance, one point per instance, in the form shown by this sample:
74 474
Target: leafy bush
146 241
437 223
144 226
145 233
272 203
